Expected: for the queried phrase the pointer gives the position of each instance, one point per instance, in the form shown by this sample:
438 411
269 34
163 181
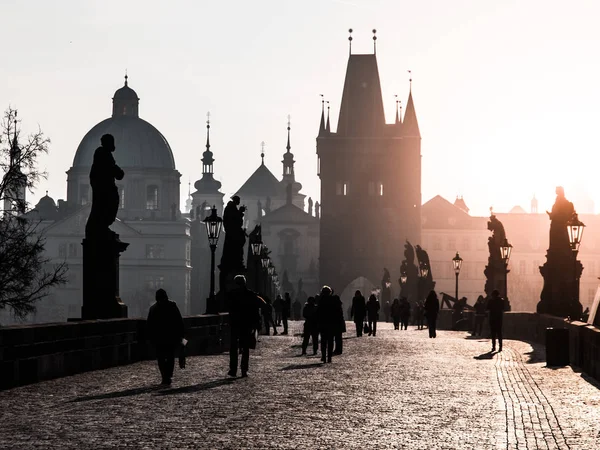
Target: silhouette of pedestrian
480 310
420 315
340 325
358 311
404 313
395 311
496 308
326 317
267 315
286 307
277 305
311 330
245 309
373 314
432 307
165 330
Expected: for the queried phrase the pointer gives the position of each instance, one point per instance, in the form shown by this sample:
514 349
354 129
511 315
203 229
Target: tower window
381 189
121 197
84 194
155 251
152 197
345 188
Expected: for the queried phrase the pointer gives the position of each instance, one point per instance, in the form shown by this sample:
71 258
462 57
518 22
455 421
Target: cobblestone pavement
396 390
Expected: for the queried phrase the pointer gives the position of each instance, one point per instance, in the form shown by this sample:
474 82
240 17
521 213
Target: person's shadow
487 355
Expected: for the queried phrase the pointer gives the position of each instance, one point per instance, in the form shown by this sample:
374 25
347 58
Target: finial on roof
410 78
350 40
397 103
126 77
374 41
322 125
328 126
288 146
46 192
262 152
189 188
208 131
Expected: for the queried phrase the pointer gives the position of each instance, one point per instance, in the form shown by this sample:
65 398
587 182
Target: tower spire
208 131
350 41
397 102
374 41
322 125
328 127
262 153
410 126
288 146
207 156
126 77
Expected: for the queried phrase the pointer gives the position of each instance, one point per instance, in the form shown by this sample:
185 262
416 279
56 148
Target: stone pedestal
101 278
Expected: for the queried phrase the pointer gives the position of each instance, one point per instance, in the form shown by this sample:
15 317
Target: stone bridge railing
30 353
584 339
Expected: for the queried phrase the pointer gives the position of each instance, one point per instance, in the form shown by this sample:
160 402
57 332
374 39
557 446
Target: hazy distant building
149 218
370 175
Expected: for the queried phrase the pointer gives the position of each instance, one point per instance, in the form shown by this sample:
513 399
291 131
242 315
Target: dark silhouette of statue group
102 246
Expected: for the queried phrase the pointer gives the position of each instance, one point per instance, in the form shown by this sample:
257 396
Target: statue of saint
105 195
561 213
235 235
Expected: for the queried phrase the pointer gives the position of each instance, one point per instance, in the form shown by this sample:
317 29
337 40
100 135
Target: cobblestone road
396 390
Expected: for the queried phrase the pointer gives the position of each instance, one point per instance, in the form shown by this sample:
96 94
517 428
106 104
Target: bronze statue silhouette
495 271
105 195
235 236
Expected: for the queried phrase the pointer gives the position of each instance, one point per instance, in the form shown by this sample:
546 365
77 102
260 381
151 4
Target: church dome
46 208
138 144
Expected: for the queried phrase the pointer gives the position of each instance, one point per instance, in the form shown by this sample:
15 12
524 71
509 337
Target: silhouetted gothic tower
370 175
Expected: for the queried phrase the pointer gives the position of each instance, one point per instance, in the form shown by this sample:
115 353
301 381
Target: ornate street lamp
270 268
424 271
456 265
505 251
575 229
257 248
213 230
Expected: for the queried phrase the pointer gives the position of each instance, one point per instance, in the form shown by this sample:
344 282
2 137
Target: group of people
323 320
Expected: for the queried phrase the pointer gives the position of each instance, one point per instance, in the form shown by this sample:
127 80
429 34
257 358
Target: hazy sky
506 92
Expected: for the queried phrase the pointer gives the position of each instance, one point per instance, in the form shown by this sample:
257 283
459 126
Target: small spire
397 103
328 127
262 152
410 79
189 188
350 40
322 125
374 41
126 77
208 131
288 146
46 193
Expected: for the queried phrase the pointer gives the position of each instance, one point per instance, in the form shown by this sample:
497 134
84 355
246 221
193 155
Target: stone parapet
31 353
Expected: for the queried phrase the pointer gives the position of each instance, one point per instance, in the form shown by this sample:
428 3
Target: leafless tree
25 273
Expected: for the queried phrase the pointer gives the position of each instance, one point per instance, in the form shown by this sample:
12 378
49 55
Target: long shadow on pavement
197 387
487 355
125 393
301 366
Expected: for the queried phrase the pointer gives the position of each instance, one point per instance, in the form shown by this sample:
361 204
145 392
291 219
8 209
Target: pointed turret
322 125
207 184
410 126
288 159
328 126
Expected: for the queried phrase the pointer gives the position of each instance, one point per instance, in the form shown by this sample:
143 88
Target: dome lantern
125 101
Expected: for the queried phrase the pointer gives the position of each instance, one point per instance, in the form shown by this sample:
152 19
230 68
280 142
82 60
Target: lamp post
456 265
505 251
575 229
257 254
213 230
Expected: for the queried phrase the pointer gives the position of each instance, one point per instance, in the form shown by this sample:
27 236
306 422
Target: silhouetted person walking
326 317
340 325
245 309
267 315
479 317
286 307
432 307
358 311
373 314
311 330
496 308
277 305
165 330
404 313
420 315
396 313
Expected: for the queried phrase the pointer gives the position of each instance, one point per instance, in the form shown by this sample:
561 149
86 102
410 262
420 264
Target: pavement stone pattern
398 389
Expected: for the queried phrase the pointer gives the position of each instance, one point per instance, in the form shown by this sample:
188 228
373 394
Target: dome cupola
125 102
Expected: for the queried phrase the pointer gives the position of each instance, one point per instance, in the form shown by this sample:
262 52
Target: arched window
152 197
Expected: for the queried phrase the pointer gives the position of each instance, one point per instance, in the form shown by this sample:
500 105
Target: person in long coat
358 312
340 325
165 330
396 310
496 308
311 329
432 307
404 313
327 315
373 314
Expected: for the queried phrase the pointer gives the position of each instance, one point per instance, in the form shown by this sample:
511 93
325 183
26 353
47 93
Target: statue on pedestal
102 246
408 290
426 284
235 237
495 271
562 270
